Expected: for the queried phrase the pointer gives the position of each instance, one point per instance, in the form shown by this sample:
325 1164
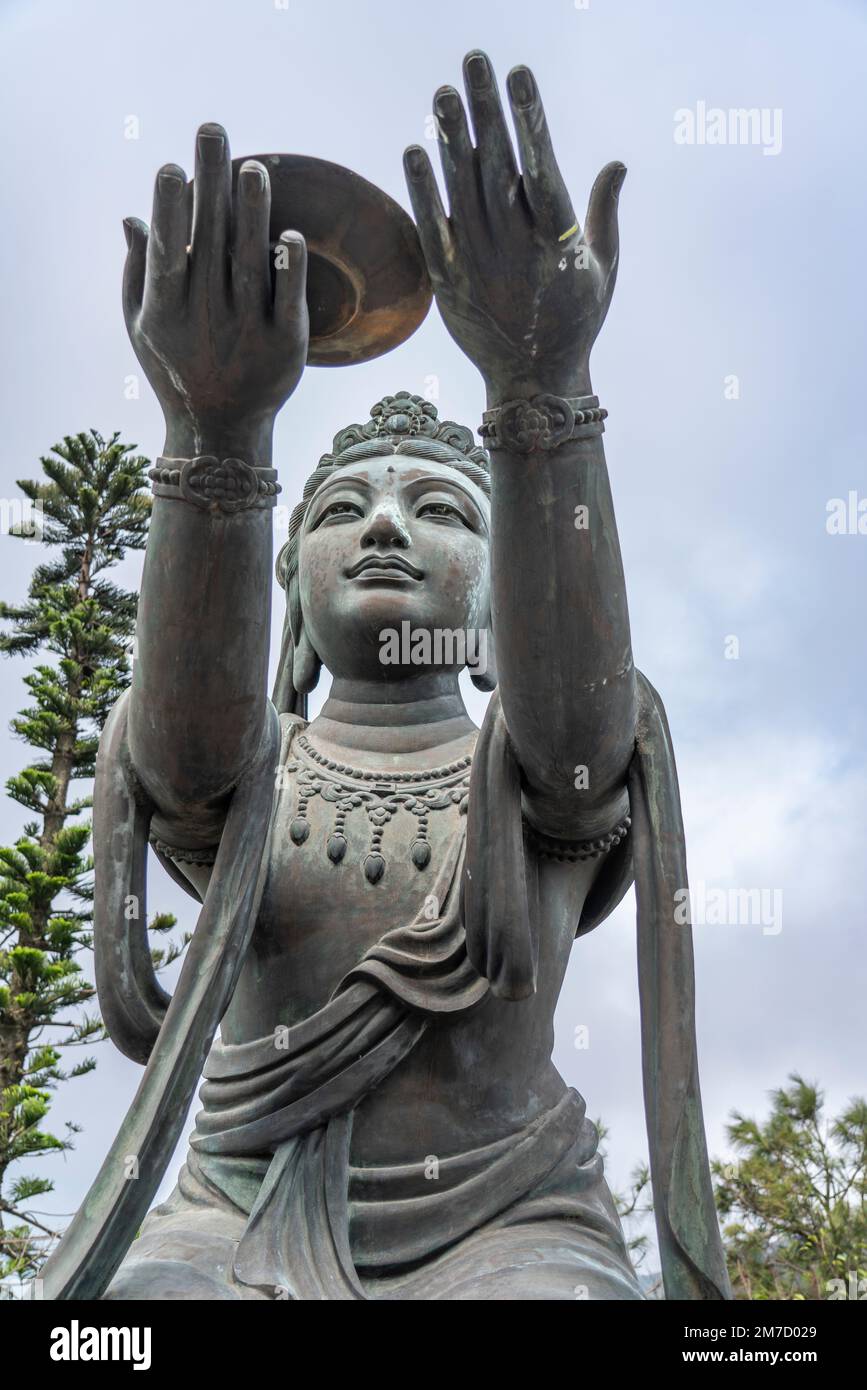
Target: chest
349 859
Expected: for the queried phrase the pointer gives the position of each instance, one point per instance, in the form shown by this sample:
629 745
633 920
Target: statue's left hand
521 291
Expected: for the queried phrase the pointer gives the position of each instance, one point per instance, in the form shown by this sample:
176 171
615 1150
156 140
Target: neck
414 716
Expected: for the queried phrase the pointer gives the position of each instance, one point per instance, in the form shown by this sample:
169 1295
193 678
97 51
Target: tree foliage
793 1202
91 507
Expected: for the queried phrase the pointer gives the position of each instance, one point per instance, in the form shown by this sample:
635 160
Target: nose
386 526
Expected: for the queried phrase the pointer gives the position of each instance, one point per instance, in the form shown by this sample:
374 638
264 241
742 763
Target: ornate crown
403 416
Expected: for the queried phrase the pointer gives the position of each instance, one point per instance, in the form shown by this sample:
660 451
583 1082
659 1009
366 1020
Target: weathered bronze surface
367 285
389 895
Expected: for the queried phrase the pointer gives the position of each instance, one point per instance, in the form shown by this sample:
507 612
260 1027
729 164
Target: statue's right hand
218 322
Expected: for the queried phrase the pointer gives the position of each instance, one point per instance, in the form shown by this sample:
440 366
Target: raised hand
218 322
521 290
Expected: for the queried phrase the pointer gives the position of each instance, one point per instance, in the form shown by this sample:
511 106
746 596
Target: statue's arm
223 342
561 632
524 294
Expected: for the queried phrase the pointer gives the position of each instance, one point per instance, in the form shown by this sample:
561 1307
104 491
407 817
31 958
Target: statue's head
389 544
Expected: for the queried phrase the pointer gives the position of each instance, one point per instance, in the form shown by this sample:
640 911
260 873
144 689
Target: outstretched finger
251 274
136 234
290 289
546 192
457 156
212 209
428 211
496 158
601 233
166 275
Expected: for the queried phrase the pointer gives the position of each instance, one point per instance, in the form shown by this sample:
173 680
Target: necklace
380 795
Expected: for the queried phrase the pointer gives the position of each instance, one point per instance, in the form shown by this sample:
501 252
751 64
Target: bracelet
229 485
542 422
184 856
570 851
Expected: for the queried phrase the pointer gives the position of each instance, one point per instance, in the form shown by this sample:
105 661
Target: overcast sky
735 263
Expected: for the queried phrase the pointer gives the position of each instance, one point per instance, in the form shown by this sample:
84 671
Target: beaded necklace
380 795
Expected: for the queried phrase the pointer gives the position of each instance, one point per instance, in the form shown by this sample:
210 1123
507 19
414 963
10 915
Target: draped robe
269 1203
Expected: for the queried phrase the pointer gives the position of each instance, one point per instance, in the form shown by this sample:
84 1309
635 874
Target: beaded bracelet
569 851
542 422
227 485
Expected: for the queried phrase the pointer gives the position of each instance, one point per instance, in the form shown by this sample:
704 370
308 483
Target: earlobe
305 665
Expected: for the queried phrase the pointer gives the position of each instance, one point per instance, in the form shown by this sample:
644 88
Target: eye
441 509
340 509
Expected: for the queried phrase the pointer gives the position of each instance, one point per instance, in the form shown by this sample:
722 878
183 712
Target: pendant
379 795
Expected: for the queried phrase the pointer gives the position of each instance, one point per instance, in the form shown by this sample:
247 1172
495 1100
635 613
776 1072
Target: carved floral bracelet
543 422
227 485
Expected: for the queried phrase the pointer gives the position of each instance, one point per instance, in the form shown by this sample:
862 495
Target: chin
373 607
370 621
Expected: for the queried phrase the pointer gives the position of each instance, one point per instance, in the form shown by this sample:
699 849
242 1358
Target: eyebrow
433 479
436 480
344 481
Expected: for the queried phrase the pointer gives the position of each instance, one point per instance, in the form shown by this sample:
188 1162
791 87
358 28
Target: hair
400 424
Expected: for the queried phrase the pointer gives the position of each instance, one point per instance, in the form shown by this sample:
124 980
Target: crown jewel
403 416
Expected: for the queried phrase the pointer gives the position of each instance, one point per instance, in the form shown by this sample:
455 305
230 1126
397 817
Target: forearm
223 343
202 645
561 628
524 292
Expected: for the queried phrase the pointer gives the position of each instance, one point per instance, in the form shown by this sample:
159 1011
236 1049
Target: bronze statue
389 896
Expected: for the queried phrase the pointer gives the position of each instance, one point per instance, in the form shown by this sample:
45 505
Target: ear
286 699
487 679
305 665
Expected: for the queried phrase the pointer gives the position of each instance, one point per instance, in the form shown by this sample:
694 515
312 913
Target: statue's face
386 542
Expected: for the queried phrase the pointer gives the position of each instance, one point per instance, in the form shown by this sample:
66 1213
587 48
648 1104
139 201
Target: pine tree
91 507
793 1204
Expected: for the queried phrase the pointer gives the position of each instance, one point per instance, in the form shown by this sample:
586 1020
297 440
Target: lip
388 567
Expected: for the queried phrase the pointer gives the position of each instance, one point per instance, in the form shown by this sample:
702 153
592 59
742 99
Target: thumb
601 232
290 289
136 234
